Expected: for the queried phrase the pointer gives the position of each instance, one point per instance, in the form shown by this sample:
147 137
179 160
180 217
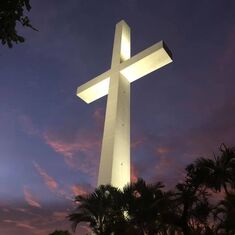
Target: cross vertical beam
115 153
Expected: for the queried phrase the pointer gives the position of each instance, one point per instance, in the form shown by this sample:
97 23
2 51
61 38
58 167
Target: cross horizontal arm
146 61
134 68
95 88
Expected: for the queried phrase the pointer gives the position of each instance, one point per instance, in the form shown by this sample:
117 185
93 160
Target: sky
50 139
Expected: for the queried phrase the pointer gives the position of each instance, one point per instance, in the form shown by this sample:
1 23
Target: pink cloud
80 152
85 144
8 221
30 199
48 180
23 210
162 150
51 183
40 222
23 225
78 190
60 216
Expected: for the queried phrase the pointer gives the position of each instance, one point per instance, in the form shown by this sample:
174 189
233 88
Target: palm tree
142 207
189 209
145 209
215 173
225 214
101 209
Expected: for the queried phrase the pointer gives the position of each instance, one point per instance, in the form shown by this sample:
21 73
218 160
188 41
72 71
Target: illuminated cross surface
115 153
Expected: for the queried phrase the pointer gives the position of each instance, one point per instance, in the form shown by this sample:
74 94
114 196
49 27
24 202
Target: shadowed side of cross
115 153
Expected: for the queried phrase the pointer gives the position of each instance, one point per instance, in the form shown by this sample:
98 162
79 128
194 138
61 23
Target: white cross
115 153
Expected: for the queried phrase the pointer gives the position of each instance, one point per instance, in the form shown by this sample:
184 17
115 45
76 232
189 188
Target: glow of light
94 92
125 47
145 62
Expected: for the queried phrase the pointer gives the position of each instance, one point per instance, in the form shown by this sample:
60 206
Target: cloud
48 180
8 221
60 216
78 190
52 184
162 150
23 210
30 199
80 150
68 149
38 224
23 225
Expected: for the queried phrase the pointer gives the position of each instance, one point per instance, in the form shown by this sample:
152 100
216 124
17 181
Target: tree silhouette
142 206
190 208
215 173
60 232
11 12
225 213
101 210
148 209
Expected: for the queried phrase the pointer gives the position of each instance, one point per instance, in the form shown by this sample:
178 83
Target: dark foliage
225 213
101 210
11 13
143 204
217 173
148 209
59 232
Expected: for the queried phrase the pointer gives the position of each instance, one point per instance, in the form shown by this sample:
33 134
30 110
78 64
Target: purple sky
50 139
